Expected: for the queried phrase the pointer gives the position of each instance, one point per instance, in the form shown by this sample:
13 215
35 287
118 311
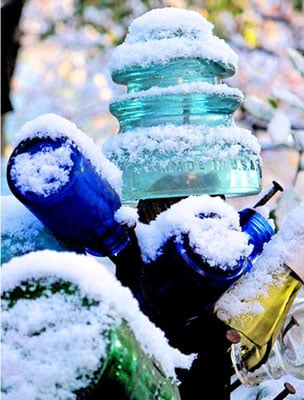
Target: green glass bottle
128 373
177 133
71 331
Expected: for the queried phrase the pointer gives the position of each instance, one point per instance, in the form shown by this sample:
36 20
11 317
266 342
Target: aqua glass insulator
176 161
70 198
173 75
175 72
211 108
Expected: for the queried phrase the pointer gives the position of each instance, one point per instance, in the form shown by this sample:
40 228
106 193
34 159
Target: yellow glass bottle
257 305
286 356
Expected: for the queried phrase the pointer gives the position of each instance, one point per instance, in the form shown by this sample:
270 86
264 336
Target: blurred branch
10 18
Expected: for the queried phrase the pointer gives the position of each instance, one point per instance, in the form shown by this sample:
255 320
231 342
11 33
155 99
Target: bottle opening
40 168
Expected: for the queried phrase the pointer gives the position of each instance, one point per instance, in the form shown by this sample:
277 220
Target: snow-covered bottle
22 232
52 172
70 330
192 252
177 134
257 305
286 356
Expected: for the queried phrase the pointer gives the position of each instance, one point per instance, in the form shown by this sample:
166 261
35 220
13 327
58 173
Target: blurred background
55 55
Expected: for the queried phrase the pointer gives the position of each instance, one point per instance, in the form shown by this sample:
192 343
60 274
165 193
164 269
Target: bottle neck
257 228
128 372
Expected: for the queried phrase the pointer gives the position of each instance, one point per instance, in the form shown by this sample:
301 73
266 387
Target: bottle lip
255 225
250 214
197 264
119 242
30 197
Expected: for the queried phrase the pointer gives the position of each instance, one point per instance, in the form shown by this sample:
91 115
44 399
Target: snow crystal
21 231
44 172
285 247
167 33
40 361
187 141
217 236
185 88
54 126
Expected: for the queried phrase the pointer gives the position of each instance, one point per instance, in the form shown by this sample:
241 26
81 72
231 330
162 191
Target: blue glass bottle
179 103
181 279
180 285
76 204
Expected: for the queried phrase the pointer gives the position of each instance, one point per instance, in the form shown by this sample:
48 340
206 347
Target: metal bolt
233 336
276 186
288 389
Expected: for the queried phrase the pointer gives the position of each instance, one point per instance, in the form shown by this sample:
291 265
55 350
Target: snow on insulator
168 33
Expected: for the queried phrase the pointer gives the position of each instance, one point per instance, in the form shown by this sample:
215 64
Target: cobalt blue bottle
182 280
62 189
180 285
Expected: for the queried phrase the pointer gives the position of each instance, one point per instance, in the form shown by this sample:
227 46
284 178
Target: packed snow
43 172
126 215
51 344
212 227
187 141
163 34
54 126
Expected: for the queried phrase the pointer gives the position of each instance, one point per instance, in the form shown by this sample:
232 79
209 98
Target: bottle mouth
218 273
41 168
110 246
258 229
